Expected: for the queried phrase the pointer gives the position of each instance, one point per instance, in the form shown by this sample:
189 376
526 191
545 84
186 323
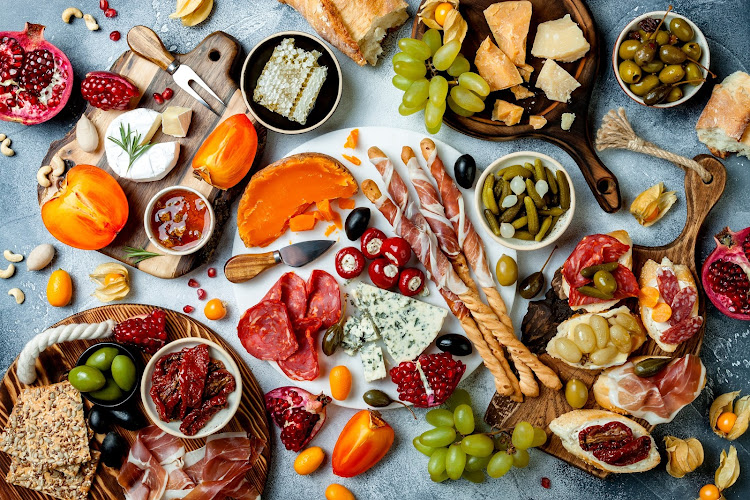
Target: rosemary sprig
130 142
139 255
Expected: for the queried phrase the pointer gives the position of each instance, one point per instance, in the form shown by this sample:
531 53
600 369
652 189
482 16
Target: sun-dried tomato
632 452
613 443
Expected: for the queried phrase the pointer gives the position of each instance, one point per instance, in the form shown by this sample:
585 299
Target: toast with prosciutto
607 441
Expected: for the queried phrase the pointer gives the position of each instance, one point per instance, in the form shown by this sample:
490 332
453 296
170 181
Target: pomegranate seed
193 284
211 272
167 94
103 4
188 309
158 98
546 483
110 13
114 36
201 294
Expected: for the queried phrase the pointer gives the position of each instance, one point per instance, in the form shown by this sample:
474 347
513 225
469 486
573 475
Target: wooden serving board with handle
217 60
577 141
540 411
55 362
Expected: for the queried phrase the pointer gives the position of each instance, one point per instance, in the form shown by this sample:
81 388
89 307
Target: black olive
456 344
357 222
130 419
114 447
465 170
99 420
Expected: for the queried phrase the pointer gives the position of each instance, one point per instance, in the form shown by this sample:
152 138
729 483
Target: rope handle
26 366
617 133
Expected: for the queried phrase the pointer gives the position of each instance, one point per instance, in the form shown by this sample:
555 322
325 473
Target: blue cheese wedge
406 325
352 340
373 364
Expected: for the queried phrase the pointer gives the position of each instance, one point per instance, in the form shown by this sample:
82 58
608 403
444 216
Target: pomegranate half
36 78
298 413
726 274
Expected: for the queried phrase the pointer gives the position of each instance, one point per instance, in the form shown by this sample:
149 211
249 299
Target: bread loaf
724 125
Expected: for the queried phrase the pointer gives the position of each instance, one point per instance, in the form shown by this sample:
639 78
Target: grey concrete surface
369 99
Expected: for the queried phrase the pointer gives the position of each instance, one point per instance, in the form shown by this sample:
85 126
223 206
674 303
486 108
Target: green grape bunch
456 450
418 70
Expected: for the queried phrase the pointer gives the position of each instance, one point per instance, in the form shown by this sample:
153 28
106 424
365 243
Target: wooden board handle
147 44
241 268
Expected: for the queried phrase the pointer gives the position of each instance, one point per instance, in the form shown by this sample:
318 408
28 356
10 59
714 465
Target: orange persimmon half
89 209
227 154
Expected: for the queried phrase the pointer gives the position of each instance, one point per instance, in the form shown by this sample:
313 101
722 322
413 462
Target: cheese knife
241 268
145 43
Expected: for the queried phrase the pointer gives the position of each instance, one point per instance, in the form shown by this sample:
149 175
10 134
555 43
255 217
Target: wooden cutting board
577 142
217 59
54 363
700 199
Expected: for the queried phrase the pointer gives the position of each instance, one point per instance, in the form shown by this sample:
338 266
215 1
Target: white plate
391 141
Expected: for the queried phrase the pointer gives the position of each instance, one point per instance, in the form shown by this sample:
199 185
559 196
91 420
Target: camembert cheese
556 83
505 112
509 23
561 39
495 67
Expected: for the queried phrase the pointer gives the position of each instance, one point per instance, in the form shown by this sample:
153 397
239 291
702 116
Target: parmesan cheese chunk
537 121
566 121
175 121
521 92
508 113
561 40
556 83
495 67
509 22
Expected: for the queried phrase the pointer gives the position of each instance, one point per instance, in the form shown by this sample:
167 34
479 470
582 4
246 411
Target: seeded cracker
53 482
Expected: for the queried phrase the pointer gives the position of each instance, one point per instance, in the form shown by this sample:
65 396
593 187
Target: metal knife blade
299 254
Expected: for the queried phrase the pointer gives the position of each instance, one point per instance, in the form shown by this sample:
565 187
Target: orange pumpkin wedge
285 189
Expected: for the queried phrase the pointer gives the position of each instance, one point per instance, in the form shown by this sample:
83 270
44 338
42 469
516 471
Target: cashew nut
91 23
8 272
42 176
70 12
17 294
5 147
12 257
58 166
2 137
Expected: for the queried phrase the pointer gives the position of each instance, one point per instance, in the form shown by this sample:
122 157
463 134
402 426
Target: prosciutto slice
659 398
142 477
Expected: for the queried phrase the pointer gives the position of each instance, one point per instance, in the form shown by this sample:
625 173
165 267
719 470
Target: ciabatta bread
724 125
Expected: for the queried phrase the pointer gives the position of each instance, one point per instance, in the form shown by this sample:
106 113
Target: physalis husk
728 471
113 281
652 204
455 26
725 403
683 456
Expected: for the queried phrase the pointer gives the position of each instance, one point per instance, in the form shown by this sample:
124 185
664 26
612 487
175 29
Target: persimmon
89 209
365 439
227 154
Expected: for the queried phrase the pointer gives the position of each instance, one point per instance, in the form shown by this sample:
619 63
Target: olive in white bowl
549 216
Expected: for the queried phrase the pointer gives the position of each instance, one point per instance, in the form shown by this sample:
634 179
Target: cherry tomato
383 273
372 243
710 492
396 250
441 12
726 422
349 262
411 281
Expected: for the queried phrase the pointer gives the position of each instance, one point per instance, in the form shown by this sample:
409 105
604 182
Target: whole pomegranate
726 274
36 78
106 90
298 413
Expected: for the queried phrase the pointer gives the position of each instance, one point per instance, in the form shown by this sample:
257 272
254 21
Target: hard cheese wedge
509 22
407 326
495 67
176 121
556 83
561 40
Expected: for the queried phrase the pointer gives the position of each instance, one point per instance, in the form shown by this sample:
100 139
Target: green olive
102 358
675 94
86 378
576 393
110 392
670 54
630 72
123 372
656 95
592 291
681 29
506 270
628 48
377 398
646 53
645 85
693 50
693 72
672 74
662 37
604 281
653 67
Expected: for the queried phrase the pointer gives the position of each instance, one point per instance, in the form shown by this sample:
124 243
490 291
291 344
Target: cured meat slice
164 447
682 331
591 250
627 286
303 364
266 332
669 285
165 385
682 304
324 298
142 477
192 377
291 290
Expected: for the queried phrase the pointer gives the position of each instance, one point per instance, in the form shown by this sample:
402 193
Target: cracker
54 482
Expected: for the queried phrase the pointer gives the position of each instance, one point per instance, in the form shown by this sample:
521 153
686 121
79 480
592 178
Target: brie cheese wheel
561 39
155 163
556 83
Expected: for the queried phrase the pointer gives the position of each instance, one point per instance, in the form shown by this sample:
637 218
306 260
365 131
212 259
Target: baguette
724 124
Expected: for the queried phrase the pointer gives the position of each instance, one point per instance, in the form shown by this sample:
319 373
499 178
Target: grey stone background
369 99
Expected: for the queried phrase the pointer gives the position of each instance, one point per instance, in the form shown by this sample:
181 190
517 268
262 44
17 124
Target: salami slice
669 286
303 364
266 332
627 286
590 251
683 304
290 289
682 330
324 298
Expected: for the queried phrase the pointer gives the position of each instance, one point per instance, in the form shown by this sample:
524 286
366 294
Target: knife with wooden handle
243 267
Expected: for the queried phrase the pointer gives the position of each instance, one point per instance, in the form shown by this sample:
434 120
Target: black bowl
328 97
138 372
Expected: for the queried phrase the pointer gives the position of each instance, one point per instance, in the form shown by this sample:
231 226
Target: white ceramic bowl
220 419
519 158
705 60
206 234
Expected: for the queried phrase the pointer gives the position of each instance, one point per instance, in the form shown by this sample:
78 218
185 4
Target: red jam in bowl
179 219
